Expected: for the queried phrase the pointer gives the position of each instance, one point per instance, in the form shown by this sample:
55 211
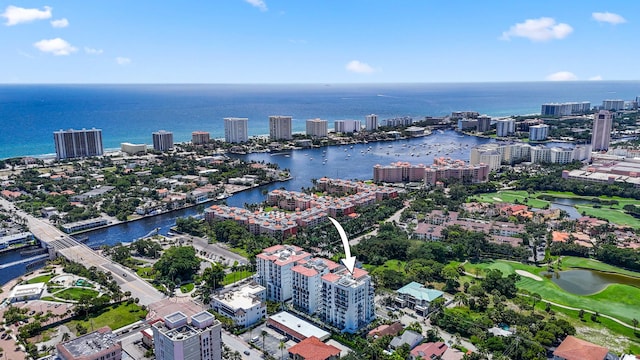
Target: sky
317 41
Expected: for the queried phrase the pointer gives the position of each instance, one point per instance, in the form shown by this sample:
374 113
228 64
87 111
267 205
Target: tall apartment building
489 156
274 266
561 155
505 127
162 140
601 132
613 105
484 123
280 127
200 137
317 128
538 132
98 345
371 122
347 299
540 154
244 305
565 109
307 283
174 338
72 143
236 130
509 153
347 126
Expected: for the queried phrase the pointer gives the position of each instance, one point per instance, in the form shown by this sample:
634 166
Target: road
216 251
66 246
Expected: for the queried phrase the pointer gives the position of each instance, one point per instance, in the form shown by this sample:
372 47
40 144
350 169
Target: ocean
130 113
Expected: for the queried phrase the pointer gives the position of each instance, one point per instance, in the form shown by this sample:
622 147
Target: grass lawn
187 288
236 276
115 316
40 279
619 301
146 272
240 251
75 293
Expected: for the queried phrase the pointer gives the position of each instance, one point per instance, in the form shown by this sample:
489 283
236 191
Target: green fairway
578 262
115 317
615 216
619 301
510 196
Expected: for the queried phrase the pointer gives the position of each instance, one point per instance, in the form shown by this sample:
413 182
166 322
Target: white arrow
349 261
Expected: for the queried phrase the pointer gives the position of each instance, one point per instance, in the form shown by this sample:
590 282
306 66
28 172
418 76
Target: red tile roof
312 348
430 350
573 348
304 270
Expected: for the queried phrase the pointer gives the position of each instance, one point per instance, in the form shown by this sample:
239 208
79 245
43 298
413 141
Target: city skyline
315 42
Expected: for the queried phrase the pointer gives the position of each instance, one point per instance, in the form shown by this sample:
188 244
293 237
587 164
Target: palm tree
281 346
264 334
65 337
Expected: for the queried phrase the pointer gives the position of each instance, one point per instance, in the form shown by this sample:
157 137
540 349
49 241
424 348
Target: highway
73 250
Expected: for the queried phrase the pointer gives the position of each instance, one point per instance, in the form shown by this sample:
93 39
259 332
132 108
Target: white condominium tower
601 133
176 339
78 143
236 130
162 140
371 122
274 266
347 299
317 128
280 127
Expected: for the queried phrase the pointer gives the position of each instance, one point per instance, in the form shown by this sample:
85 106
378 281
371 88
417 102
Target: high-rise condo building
565 109
347 299
317 128
236 130
280 127
505 127
274 266
538 132
174 338
371 122
601 133
484 123
199 137
347 126
72 143
613 105
162 140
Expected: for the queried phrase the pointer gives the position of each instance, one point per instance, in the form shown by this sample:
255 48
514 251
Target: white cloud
562 76
92 51
55 46
608 17
260 4
60 23
123 60
359 67
542 29
17 15
595 78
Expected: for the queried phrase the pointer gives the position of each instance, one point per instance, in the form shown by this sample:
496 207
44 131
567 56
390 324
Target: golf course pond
587 282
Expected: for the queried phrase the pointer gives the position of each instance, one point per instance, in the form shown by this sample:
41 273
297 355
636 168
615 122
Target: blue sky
317 41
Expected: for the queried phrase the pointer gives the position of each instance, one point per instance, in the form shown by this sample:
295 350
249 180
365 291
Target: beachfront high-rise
71 144
505 127
317 128
200 137
162 140
613 105
236 130
280 127
371 122
347 126
174 338
601 133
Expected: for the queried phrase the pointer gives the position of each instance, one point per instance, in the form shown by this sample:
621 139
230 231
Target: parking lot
271 341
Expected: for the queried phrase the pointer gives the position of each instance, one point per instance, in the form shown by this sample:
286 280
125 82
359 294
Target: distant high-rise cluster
71 144
200 137
347 126
565 109
317 128
538 132
371 122
162 140
236 130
